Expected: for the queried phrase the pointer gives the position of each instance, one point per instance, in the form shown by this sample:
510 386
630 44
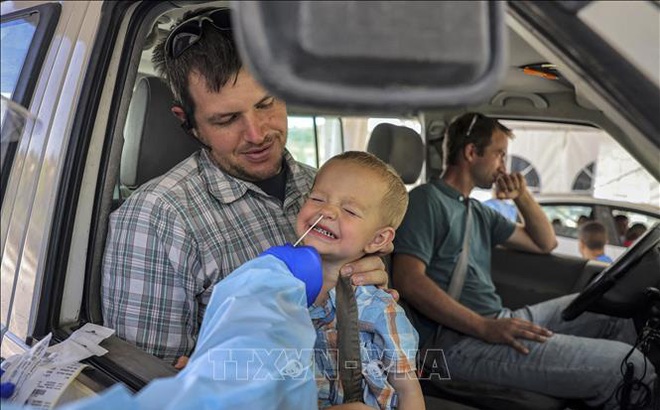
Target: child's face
349 197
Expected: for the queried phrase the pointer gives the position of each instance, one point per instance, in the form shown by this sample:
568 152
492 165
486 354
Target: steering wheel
613 274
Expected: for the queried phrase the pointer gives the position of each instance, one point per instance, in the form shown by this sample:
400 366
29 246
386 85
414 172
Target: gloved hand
304 263
6 389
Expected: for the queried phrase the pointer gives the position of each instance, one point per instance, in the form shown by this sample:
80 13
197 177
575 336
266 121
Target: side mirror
375 55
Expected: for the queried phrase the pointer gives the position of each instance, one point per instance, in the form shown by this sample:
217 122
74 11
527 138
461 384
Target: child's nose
329 212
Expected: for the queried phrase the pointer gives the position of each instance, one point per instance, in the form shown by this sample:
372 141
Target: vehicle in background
565 210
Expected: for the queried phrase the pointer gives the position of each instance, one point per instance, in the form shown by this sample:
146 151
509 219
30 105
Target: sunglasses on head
189 32
474 121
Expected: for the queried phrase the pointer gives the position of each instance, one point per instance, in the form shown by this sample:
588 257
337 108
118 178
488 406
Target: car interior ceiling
521 95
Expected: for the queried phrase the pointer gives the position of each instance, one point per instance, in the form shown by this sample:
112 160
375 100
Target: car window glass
573 159
314 140
25 36
15 38
567 158
565 218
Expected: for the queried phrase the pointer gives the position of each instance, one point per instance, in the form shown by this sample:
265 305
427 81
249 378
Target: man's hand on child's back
369 270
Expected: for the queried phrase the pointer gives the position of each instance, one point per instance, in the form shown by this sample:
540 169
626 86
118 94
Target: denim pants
582 360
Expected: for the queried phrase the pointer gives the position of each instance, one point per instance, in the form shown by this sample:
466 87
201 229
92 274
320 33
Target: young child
592 237
362 202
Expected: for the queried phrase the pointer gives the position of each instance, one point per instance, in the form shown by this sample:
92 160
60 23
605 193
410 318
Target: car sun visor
375 55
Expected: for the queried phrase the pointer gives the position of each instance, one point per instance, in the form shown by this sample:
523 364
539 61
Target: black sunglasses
189 32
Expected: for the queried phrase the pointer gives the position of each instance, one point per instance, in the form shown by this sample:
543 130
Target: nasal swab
307 231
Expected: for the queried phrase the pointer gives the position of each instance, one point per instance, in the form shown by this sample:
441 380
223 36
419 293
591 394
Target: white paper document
43 373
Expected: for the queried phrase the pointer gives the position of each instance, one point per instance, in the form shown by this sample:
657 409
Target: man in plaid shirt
179 234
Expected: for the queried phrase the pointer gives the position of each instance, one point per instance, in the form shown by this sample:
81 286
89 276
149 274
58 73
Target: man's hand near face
510 186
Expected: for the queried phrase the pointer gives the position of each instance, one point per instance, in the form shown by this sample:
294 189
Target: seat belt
457 277
460 269
348 341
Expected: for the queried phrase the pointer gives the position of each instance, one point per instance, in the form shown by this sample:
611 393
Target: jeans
582 360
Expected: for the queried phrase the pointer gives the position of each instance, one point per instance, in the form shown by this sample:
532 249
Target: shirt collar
227 189
448 190
324 314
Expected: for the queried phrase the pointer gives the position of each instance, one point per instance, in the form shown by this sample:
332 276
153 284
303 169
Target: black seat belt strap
348 342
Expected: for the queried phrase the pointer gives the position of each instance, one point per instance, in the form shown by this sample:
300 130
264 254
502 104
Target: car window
15 38
313 140
577 159
565 217
24 40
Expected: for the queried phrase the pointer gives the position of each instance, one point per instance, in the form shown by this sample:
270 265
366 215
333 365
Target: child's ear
382 237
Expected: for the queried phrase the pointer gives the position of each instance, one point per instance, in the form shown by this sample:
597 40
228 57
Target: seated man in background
583 219
179 234
635 231
531 348
592 237
621 223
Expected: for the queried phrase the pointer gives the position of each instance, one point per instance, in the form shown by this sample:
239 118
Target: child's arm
409 391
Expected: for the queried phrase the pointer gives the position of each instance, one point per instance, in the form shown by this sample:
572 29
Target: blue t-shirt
506 208
604 258
432 231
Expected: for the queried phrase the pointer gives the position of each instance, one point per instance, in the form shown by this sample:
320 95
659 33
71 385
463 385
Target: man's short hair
593 234
395 200
214 56
621 218
470 128
635 231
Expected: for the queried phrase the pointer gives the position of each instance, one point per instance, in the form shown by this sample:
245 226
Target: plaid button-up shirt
178 235
388 344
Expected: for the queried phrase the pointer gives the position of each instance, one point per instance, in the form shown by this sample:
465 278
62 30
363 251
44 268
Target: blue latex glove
304 263
6 389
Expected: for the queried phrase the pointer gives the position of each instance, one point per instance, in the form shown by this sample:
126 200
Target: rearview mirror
375 55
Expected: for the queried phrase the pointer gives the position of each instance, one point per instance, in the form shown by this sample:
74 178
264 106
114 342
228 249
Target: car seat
154 141
403 149
399 146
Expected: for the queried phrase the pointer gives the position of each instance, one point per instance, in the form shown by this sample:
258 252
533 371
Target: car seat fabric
399 146
154 140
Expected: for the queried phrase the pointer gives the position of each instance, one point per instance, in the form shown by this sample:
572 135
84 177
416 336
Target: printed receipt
52 384
43 373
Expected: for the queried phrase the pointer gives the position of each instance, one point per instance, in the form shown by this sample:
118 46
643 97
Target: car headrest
154 141
399 146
